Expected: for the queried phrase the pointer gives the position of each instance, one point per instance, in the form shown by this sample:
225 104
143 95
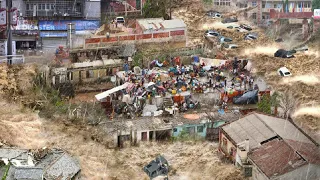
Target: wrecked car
229 20
246 27
213 14
157 167
251 36
249 97
211 33
230 46
284 53
302 49
283 71
223 39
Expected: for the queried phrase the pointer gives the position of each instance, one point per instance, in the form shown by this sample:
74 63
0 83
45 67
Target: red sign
110 39
92 40
177 33
144 36
161 35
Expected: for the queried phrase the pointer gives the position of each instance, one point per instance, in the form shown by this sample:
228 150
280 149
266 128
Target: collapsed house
268 147
197 126
21 164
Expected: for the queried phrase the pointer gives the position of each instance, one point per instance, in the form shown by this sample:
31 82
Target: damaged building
267 147
22 164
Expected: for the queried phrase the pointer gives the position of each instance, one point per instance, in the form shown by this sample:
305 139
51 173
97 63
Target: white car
211 33
120 20
283 71
230 46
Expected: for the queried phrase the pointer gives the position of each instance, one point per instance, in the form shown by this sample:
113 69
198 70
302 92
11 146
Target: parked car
249 97
283 71
211 33
229 20
213 14
284 53
251 36
279 40
223 39
230 46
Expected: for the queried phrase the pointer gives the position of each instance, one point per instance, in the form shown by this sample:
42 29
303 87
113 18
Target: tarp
113 90
212 62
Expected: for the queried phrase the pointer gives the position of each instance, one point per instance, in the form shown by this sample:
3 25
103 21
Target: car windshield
287 73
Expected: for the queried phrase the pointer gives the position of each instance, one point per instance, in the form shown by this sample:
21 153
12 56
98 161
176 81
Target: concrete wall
92 10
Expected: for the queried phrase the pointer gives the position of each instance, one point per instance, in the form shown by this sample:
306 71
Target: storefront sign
316 14
3 17
53 34
26 25
63 25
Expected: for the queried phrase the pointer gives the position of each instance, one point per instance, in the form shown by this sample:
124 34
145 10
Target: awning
113 90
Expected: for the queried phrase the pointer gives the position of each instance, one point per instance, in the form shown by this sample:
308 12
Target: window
254 3
89 74
175 129
224 141
48 6
39 6
53 6
281 74
70 76
43 6
254 15
263 4
199 129
274 5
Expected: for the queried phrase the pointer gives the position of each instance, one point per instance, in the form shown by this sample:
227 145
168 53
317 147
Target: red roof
275 158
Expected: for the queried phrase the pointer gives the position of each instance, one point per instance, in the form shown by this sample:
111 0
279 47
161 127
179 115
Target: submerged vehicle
157 167
249 97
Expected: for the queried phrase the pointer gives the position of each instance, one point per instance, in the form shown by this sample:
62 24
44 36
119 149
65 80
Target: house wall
226 149
179 129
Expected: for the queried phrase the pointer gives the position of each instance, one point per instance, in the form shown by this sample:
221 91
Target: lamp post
9 33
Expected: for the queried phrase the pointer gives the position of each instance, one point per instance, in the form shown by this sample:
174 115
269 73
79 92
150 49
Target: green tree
157 9
265 104
315 4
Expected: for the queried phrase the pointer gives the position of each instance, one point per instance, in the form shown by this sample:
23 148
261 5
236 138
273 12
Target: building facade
43 23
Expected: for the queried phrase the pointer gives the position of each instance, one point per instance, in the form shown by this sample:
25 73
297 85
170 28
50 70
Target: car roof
284 69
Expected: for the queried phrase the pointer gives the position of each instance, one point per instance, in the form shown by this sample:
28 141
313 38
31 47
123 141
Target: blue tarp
196 59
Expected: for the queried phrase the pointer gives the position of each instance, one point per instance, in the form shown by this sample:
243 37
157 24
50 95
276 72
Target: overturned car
284 53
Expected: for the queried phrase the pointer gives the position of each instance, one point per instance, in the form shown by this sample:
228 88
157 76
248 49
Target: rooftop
275 158
159 23
10 153
28 173
249 127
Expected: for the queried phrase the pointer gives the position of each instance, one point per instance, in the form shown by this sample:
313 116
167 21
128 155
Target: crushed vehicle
229 20
213 14
251 36
283 71
211 33
223 39
302 49
246 27
230 46
284 53
157 167
249 97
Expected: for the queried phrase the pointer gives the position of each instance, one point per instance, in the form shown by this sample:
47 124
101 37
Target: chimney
246 142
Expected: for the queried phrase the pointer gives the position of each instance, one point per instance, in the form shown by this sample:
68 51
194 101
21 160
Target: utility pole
9 33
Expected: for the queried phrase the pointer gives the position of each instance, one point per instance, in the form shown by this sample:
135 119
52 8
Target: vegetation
6 172
267 103
315 4
138 59
157 9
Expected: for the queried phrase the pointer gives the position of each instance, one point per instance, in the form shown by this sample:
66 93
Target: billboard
26 25
62 25
53 34
316 14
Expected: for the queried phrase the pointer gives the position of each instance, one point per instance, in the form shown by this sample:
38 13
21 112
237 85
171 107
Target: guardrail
15 59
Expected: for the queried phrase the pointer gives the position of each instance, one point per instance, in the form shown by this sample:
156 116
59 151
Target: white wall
92 10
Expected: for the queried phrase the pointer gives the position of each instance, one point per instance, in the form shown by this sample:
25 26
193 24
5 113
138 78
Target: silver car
211 33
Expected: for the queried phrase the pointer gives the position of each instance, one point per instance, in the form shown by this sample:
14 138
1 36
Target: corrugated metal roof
159 23
28 173
249 127
64 168
308 151
10 153
283 128
275 158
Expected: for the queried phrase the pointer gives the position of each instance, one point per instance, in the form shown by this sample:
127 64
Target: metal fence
15 59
